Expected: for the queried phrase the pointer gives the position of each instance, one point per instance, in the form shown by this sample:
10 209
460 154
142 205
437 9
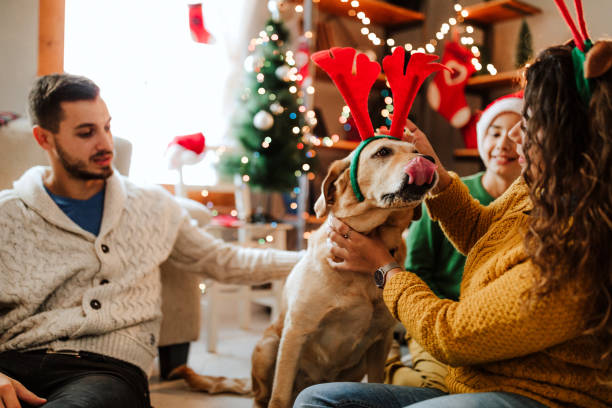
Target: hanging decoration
446 93
263 120
196 25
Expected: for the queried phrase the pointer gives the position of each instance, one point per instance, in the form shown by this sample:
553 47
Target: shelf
377 11
508 79
347 145
496 11
466 154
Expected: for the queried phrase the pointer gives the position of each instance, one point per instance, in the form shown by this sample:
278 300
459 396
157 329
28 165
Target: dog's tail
211 384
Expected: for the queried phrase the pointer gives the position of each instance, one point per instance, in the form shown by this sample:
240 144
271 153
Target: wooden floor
233 359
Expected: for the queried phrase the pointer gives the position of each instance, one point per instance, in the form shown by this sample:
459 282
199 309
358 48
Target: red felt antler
405 86
579 37
355 88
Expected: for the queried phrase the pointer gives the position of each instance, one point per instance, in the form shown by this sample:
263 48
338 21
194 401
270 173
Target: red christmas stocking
446 93
469 132
196 24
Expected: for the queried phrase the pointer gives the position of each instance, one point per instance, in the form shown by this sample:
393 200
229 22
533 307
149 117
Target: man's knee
96 391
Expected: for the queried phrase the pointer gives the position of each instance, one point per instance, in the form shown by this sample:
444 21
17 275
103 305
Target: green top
431 256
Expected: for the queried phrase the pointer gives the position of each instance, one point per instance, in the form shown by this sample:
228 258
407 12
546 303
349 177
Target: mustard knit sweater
493 338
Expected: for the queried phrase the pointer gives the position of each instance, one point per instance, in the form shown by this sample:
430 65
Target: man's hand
12 391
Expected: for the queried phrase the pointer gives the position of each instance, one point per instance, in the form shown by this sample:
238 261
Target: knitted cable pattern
64 288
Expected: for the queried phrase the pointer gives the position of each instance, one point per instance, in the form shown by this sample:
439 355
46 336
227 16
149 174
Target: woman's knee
311 396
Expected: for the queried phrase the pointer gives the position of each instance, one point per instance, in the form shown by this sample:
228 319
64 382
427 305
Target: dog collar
355 163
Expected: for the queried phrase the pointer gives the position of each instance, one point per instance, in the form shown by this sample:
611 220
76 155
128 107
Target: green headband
583 84
355 163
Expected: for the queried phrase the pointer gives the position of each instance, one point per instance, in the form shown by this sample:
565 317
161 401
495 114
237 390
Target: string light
430 46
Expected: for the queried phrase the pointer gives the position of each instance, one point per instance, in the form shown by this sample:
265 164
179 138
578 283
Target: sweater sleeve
197 251
494 323
462 218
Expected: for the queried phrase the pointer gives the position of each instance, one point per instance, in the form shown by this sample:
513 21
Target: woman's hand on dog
352 251
414 135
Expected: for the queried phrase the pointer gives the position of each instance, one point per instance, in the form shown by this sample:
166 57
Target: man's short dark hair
49 91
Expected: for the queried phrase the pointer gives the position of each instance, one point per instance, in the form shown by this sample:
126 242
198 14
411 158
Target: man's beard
77 168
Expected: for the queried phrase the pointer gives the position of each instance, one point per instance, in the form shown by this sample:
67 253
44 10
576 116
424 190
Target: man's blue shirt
85 213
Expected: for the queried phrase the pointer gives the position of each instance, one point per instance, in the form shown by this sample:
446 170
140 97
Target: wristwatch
380 275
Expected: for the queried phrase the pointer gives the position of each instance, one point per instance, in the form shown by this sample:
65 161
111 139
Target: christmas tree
269 124
524 50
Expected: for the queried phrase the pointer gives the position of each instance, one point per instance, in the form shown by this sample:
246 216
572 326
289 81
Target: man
79 262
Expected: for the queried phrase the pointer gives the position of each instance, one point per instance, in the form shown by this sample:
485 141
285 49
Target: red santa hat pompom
507 103
186 149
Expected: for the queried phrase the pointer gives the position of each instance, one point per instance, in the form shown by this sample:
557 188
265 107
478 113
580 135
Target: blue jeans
361 395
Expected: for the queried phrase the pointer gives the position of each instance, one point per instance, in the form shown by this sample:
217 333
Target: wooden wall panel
51 36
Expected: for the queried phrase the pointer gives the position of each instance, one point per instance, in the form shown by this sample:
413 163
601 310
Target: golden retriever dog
334 326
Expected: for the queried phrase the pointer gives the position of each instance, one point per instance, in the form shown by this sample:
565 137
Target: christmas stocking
446 93
469 132
196 24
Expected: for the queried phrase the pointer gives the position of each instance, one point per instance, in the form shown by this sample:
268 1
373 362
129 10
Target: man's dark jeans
87 380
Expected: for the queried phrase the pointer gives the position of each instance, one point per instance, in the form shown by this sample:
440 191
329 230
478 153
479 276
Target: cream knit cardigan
61 287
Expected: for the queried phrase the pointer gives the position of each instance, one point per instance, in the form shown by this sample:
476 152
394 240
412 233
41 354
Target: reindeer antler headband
355 89
582 45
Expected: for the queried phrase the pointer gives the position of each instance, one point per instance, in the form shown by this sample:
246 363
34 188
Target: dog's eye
382 152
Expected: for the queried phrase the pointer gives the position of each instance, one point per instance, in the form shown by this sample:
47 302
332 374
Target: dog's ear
328 188
417 212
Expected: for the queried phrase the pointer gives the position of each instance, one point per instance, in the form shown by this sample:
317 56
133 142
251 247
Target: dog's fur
334 326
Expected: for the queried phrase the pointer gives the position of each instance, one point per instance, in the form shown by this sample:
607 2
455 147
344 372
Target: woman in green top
431 256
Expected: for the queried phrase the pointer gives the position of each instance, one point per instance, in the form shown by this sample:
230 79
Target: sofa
180 293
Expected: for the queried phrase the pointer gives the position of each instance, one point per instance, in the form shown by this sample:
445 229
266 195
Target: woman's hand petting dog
352 251
414 135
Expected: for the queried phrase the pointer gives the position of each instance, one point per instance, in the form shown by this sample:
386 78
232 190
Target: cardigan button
105 248
95 304
152 339
104 282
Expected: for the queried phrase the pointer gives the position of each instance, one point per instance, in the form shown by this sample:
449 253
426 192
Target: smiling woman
159 82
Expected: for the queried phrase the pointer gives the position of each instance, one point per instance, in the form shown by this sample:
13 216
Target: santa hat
186 149
507 103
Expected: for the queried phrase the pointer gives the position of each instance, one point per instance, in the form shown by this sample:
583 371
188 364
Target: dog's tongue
420 171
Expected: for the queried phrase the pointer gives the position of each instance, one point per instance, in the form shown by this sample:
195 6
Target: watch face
379 278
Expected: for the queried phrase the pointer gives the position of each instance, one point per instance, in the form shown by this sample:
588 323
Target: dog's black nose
431 159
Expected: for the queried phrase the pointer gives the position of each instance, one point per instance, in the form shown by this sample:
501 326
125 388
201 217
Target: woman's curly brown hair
568 149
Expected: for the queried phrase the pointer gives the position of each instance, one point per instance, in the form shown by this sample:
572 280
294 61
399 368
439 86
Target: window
157 81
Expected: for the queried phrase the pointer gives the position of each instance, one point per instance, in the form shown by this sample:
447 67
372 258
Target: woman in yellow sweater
533 324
